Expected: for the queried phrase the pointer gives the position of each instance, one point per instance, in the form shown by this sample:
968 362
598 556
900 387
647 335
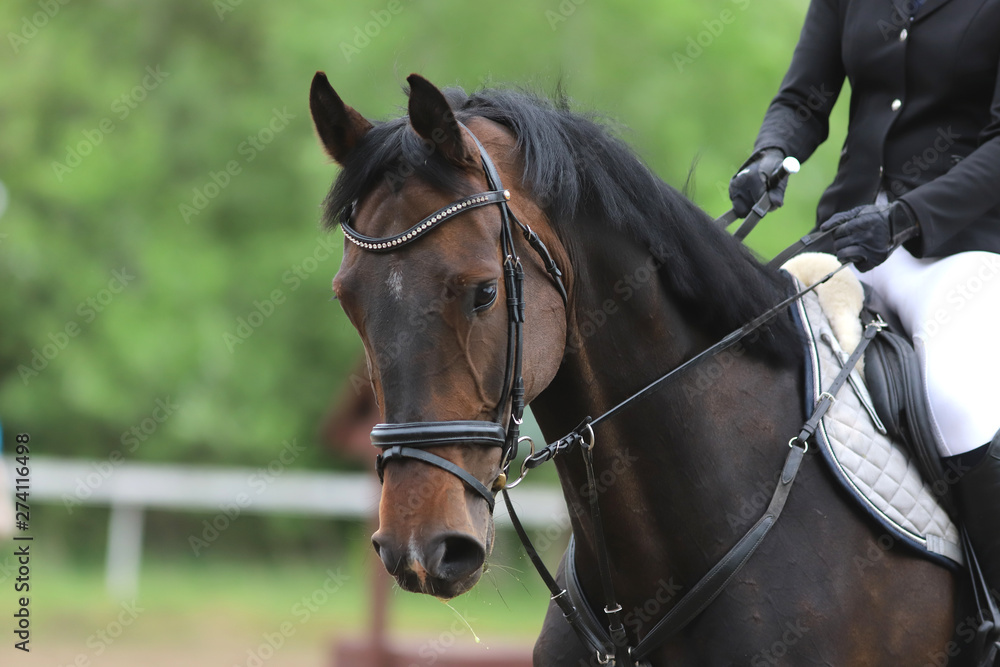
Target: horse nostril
455 557
393 562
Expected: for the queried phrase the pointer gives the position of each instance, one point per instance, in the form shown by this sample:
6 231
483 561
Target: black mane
576 169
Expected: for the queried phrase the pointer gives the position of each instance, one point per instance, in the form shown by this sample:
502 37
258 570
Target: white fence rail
129 489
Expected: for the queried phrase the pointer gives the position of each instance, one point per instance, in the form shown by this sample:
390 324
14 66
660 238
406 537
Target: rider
920 169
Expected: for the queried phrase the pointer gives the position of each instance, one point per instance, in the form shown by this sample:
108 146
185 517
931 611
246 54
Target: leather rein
412 439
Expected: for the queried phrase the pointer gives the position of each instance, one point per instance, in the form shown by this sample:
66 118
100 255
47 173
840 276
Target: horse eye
486 294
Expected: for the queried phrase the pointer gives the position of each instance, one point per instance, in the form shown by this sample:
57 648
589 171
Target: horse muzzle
448 561
445 565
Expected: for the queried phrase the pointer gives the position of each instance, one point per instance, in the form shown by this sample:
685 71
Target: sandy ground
167 656
227 654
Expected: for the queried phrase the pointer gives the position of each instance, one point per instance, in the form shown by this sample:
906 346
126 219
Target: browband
389 243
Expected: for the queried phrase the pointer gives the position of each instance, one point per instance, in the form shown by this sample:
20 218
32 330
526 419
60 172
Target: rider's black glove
749 184
867 234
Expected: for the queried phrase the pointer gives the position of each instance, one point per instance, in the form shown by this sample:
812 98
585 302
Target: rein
411 440
550 451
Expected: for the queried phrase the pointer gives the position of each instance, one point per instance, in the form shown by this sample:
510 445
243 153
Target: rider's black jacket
924 113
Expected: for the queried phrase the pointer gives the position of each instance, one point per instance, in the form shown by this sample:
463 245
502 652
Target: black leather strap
550 264
582 623
759 210
432 434
440 462
727 218
827 398
810 242
730 340
713 583
612 610
407 440
607 642
986 644
593 632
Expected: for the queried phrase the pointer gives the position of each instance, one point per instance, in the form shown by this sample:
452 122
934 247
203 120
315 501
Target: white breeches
950 307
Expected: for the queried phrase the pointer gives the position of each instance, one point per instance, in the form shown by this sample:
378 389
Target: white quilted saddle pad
879 473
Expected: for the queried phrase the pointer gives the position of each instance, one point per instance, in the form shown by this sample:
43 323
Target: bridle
412 439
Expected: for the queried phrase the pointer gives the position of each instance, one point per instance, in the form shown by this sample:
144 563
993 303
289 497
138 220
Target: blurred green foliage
164 183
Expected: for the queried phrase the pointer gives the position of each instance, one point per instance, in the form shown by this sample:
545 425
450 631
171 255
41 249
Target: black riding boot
979 495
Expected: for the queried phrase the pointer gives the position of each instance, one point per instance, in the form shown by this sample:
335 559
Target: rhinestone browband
384 243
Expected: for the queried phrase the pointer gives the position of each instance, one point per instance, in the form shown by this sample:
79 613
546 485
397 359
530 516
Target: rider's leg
979 495
951 309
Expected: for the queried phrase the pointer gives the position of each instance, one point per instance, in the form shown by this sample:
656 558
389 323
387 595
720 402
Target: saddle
895 384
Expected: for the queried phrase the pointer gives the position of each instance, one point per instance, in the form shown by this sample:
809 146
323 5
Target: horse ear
340 127
433 119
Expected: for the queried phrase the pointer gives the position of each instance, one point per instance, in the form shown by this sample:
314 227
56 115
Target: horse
649 283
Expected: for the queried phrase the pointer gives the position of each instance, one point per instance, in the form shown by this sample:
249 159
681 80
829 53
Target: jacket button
896 103
903 35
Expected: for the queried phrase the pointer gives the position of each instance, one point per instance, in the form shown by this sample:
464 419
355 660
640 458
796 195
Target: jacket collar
905 8
929 7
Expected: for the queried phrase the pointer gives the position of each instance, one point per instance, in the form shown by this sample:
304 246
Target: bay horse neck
674 468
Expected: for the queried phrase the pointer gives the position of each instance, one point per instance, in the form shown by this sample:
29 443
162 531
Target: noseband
412 439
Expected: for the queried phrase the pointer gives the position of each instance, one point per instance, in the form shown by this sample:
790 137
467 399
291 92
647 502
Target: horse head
431 310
